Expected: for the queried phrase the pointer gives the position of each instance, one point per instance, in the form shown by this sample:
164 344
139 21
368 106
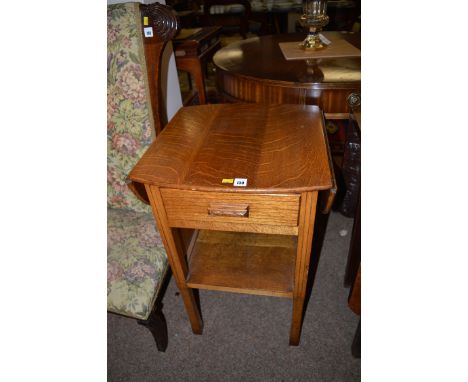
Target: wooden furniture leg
193 66
199 78
354 299
175 254
304 246
156 324
356 346
354 253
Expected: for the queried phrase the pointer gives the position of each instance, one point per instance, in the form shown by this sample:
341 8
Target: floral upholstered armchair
136 259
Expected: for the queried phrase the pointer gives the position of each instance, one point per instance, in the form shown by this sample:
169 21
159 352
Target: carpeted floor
245 337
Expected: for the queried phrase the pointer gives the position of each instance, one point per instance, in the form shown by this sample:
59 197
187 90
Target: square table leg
175 254
304 246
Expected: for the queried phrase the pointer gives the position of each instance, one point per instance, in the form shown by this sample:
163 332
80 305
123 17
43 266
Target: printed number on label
148 31
240 182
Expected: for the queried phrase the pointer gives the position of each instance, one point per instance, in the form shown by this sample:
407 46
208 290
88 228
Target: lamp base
312 42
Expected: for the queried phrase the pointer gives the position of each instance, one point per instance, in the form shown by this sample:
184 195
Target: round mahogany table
255 70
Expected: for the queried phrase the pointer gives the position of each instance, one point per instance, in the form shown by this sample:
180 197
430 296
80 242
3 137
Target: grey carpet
245 337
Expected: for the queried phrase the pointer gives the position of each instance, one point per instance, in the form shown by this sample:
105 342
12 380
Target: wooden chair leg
156 323
189 80
356 346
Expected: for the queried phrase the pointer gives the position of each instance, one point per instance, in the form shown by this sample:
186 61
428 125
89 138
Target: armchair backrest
136 37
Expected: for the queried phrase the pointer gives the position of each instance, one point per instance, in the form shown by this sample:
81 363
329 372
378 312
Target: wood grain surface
255 70
242 263
262 209
175 248
164 22
281 152
304 246
277 148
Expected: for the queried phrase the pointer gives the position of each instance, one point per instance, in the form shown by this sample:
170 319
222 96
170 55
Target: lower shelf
244 263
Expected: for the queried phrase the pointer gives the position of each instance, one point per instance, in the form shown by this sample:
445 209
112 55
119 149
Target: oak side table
248 186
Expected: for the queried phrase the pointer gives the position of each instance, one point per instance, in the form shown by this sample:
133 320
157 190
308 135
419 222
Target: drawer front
218 207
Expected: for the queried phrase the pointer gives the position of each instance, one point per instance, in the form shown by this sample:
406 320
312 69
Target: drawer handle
231 210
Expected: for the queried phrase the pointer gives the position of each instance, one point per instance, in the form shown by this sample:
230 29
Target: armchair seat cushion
136 262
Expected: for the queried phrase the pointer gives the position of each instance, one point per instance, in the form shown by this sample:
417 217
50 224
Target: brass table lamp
314 18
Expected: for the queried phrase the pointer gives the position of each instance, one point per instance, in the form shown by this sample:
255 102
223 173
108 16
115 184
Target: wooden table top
261 58
277 148
203 33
